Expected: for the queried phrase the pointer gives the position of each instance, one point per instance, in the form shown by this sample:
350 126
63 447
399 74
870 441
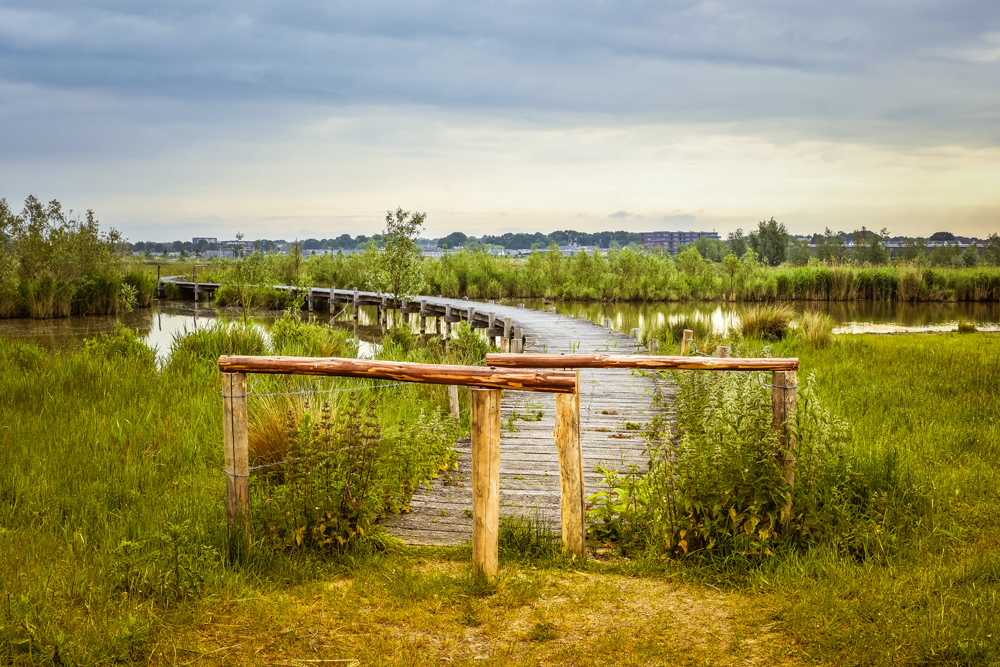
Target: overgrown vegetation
55 264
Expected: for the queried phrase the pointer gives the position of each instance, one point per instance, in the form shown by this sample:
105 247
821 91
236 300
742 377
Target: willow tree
397 268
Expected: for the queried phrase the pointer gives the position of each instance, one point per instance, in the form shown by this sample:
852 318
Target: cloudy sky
302 118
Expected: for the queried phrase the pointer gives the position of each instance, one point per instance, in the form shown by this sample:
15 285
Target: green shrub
209 343
965 327
291 336
765 321
467 347
123 343
343 472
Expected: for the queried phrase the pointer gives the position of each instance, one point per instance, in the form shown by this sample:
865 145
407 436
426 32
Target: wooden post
456 415
506 327
722 352
195 271
784 394
570 471
485 481
517 345
159 284
636 333
653 345
607 323
235 445
423 316
686 342
357 307
505 344
309 299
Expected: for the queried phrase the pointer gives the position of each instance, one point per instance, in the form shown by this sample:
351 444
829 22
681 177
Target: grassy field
113 547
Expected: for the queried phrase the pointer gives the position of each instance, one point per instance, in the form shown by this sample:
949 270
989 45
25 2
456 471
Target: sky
301 119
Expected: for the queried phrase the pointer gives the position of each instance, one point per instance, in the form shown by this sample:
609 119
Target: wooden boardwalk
610 400
529 464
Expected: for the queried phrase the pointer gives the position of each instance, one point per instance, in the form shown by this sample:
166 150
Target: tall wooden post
570 470
235 444
485 481
159 284
492 326
686 341
636 333
357 307
784 395
653 345
309 299
423 316
505 344
456 415
195 271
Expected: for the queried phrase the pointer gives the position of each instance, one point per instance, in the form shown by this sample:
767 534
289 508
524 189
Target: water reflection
167 319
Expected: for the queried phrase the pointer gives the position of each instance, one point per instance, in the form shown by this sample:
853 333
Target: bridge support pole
195 272
784 396
235 444
571 471
485 481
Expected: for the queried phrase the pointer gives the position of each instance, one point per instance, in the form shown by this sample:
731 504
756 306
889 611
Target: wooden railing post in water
571 471
653 345
485 481
784 395
686 342
235 444
194 270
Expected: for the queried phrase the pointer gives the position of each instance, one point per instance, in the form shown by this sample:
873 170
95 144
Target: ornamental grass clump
765 321
816 329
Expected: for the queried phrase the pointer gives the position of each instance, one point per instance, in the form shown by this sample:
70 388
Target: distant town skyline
315 118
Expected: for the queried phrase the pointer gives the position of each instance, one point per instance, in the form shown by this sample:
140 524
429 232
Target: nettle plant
343 471
715 484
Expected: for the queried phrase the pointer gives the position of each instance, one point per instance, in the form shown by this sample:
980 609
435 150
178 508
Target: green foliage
342 473
467 347
397 268
209 343
247 277
966 327
53 264
122 344
527 537
291 336
770 241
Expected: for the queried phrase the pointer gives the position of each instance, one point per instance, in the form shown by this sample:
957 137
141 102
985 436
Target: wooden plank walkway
529 463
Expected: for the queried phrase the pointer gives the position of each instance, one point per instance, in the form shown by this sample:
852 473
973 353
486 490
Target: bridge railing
784 385
486 386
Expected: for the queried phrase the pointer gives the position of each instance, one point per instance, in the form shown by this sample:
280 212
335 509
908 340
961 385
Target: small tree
246 274
397 268
770 241
991 250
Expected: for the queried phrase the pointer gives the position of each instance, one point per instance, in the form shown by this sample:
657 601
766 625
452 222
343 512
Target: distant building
673 240
206 239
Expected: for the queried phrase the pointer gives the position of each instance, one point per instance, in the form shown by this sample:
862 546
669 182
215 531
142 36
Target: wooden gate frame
784 386
487 385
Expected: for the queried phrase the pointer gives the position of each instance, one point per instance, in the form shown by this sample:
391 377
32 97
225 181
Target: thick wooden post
784 395
686 341
357 307
309 299
485 481
607 323
636 333
235 444
505 344
570 471
194 270
722 352
506 327
653 345
517 345
159 283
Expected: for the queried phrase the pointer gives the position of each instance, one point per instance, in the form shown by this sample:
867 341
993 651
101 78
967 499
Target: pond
167 319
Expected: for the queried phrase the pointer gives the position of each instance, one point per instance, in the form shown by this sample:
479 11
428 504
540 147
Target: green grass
113 547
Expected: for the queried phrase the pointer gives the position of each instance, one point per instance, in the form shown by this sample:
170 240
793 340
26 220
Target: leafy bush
765 321
343 472
716 486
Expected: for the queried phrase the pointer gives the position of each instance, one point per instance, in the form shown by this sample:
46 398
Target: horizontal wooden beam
638 361
559 382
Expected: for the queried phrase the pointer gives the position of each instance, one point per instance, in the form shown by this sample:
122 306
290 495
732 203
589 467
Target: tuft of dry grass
816 329
765 321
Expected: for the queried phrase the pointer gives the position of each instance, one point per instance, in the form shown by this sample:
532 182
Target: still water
167 319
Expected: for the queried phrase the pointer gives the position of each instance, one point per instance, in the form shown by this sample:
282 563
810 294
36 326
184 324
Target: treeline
631 274
509 241
53 264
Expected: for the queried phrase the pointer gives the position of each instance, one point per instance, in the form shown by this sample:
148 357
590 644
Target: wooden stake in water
485 481
784 396
236 448
567 436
